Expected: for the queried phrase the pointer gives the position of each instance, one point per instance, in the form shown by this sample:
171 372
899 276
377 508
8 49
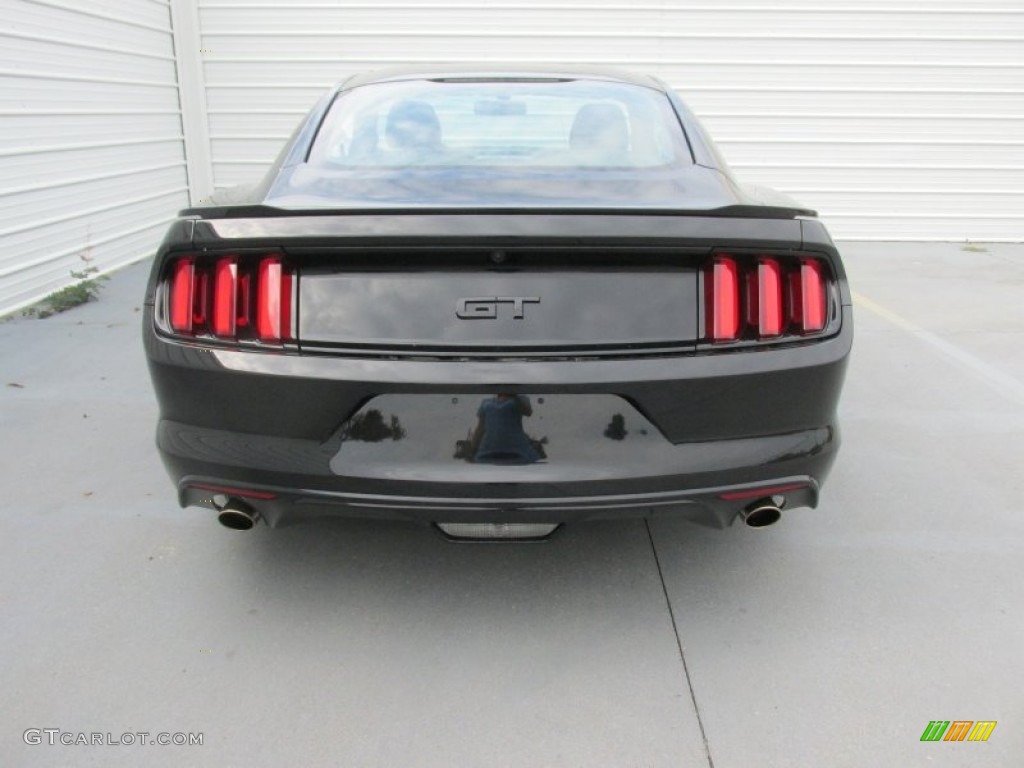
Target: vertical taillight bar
200 299
769 298
225 297
286 303
181 295
273 301
812 282
722 291
243 320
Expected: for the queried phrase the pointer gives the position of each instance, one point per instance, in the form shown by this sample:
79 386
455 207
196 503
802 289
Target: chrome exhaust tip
237 515
761 514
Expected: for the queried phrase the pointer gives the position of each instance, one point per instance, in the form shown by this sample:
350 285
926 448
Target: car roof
501 71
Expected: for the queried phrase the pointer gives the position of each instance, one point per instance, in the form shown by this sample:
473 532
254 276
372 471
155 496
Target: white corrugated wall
92 163
897 119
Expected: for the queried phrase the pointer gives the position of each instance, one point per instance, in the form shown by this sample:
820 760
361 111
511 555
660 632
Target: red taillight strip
723 300
286 304
754 493
769 298
181 296
200 299
243 319
225 297
270 303
812 281
245 493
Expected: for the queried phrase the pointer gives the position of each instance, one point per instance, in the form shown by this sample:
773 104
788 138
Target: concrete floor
831 639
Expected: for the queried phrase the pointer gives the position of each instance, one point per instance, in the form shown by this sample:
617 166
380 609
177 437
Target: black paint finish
419 330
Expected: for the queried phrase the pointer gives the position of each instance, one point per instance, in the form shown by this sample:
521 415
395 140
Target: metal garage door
92 160
897 120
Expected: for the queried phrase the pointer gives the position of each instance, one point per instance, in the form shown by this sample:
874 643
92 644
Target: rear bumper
713 507
706 431
288 481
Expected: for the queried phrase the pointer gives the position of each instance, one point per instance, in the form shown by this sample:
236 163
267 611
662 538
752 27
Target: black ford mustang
498 301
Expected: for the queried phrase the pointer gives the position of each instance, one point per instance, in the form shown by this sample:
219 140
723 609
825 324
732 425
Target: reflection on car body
498 300
499 437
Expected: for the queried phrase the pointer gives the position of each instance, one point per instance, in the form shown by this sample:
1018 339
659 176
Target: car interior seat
413 125
599 131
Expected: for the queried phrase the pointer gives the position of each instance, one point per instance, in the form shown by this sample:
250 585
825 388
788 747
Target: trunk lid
498 311
495 283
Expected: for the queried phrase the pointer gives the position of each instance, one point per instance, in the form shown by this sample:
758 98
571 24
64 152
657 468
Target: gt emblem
486 307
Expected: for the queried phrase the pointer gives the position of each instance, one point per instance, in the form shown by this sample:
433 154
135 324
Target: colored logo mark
958 730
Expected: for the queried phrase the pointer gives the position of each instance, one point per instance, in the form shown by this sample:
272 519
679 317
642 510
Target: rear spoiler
752 211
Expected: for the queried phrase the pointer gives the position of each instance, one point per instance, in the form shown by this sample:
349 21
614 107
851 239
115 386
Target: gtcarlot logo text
54 736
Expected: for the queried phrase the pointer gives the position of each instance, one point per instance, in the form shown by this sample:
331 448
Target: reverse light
497 531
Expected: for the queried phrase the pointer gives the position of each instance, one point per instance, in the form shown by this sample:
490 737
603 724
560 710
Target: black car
498 300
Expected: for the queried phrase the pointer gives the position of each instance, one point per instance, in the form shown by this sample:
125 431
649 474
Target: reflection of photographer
499 437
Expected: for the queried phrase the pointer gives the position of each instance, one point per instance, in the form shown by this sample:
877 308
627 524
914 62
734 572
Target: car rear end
359 364
498 301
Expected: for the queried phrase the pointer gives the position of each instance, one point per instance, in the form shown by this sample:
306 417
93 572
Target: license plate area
494 437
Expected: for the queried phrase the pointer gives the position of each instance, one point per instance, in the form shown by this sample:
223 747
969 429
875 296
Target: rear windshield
491 142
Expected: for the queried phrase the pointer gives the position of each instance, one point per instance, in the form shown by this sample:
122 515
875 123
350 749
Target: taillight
779 297
764 298
273 303
722 288
231 298
225 297
245 493
766 490
812 288
181 295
